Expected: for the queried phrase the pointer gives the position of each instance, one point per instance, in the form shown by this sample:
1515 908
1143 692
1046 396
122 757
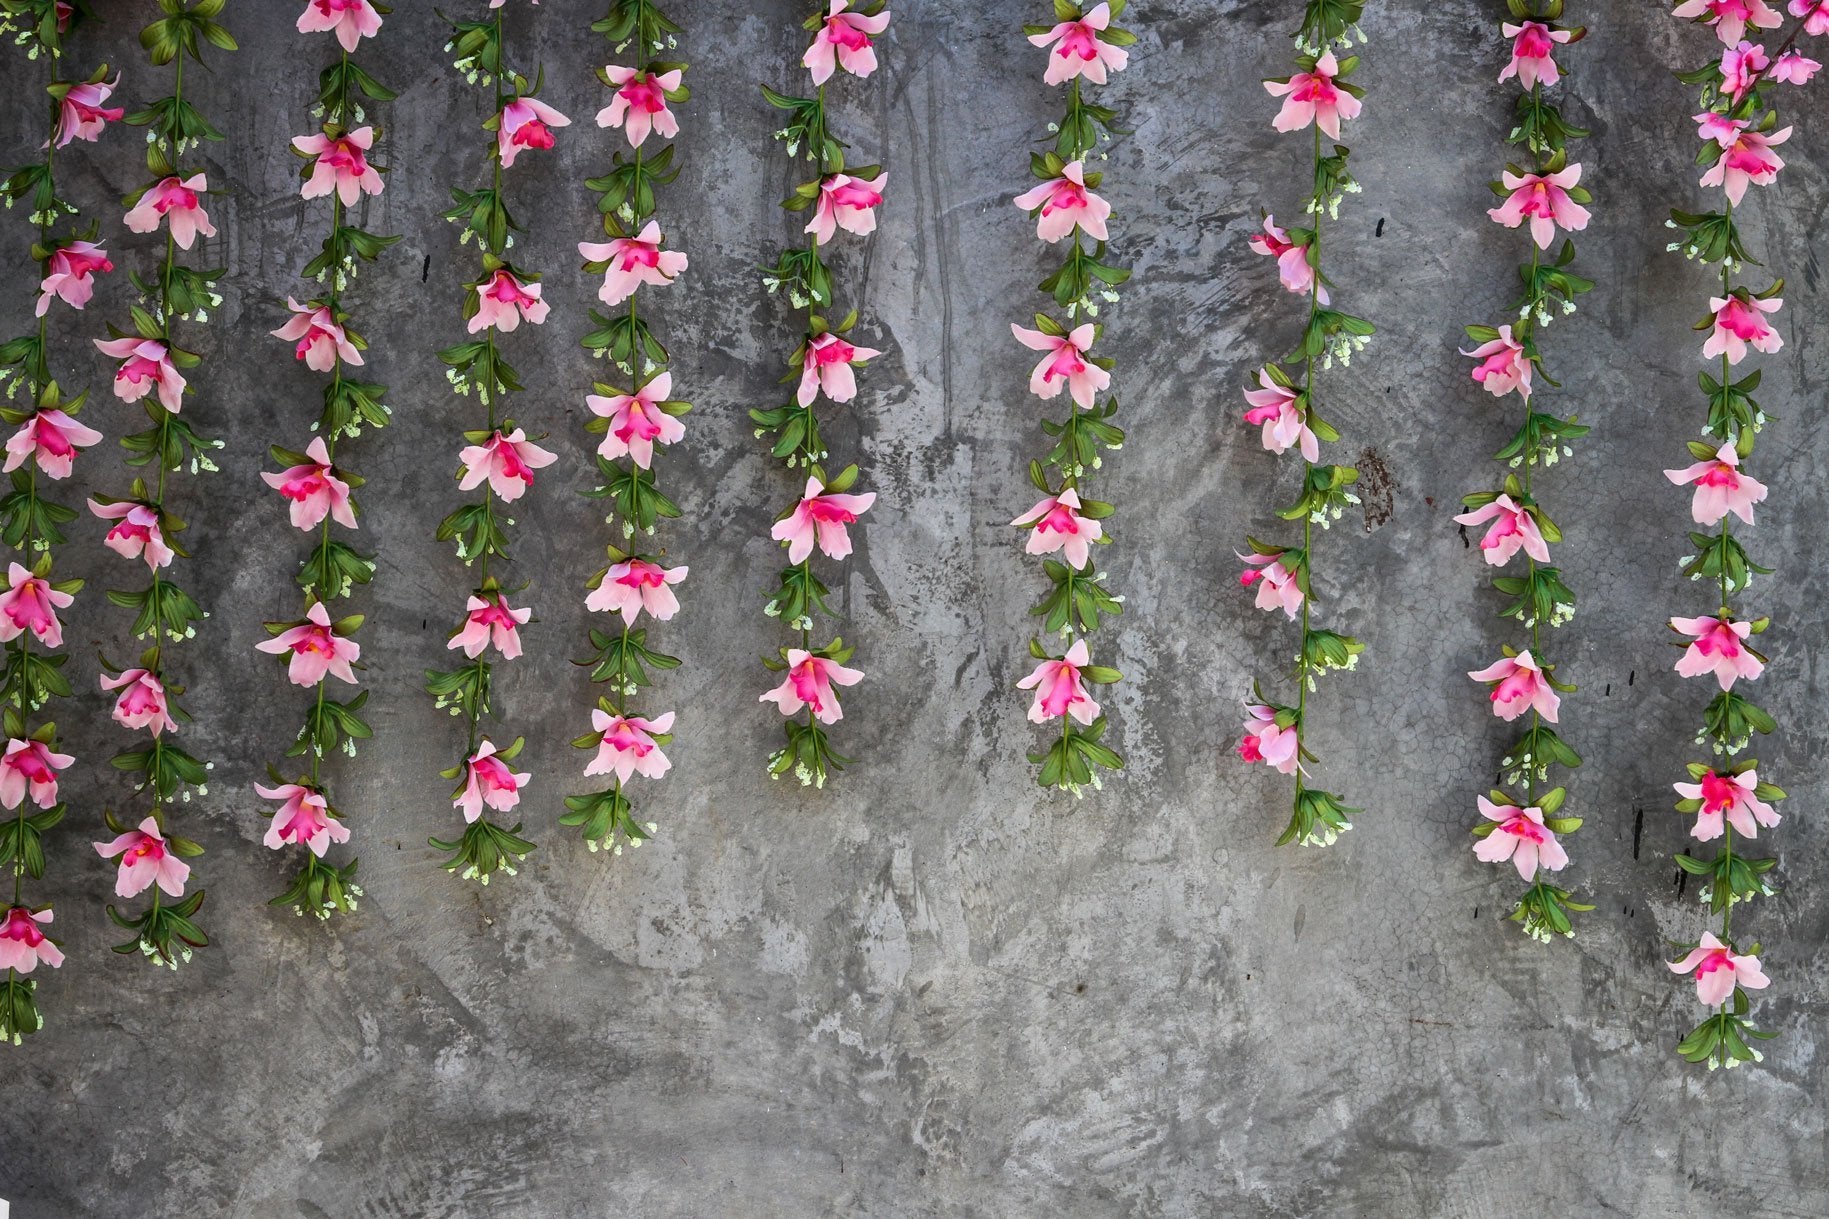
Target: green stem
1308 529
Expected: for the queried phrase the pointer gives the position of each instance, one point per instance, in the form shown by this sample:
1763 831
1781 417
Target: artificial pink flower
1728 799
142 702
316 649
51 438
1718 646
321 339
81 116
1719 969
136 532
843 41
1544 200
809 683
350 20
1291 260
303 817
1740 321
1502 365
1058 688
340 165
1741 67
1720 487
525 122
71 275
846 203
1730 17
1520 837
1519 685
632 262
506 462
1065 364
145 858
1058 525
1512 528
30 603
1795 68
627 746
1065 203
1278 587
491 620
23 945
1747 158
1815 14
820 516
1533 49
30 767
634 585
145 363
636 421
1285 422
1078 49
1277 748
503 301
488 780
1313 97
176 203
826 368
640 104
314 489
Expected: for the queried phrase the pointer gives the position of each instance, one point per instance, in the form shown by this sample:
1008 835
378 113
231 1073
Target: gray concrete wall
934 990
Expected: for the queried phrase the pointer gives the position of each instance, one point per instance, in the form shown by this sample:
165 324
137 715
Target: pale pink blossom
1064 364
1815 14
1518 685
1057 524
146 858
1277 586
70 276
1719 969
1730 17
81 115
1059 689
1795 68
1520 837
640 104
1513 528
314 489
1720 487
1740 321
488 780
1533 50
635 585
136 532
350 20
809 683
1277 748
145 365
175 202
1063 204
340 164
303 817
525 122
1291 260
843 41
1313 97
1717 646
1544 200
627 746
142 701
506 462
632 262
51 438
1741 67
30 767
321 340
846 203
1502 365
23 944
504 300
316 649
826 368
1079 51
820 516
1285 421
491 620
637 423
1746 159
1728 799
29 603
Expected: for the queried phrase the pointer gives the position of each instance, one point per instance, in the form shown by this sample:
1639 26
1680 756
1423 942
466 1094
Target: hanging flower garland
317 489
1083 47
1524 828
1286 408
1729 799
636 416
499 458
45 442
840 197
142 526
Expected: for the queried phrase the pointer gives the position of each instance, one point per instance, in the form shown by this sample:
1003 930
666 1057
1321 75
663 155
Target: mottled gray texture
934 990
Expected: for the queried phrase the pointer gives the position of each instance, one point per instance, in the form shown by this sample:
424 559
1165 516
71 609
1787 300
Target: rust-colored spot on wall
1377 489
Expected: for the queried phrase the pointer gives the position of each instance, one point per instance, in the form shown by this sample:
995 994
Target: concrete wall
934 990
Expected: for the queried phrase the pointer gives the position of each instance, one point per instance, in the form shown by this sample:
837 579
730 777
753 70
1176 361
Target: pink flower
30 767
504 300
1058 525
23 945
1063 204
1720 488
1730 17
1078 49
636 421
1532 48
1795 68
1313 97
1277 588
1544 200
1065 364
809 683
321 340
175 202
1718 646
1719 970
525 122
30 603
81 116
316 649
146 858
820 516
1747 158
1513 527
1291 259
640 104
1728 799
350 20
634 585
506 462
1815 14
1277 748
628 746
145 363
1741 67
1519 685
843 41
846 203
826 368
71 275
1278 408
488 780
1739 321
1058 688
314 489
1520 837
303 817
632 262
340 164
142 702
1502 365
136 532
51 438
490 620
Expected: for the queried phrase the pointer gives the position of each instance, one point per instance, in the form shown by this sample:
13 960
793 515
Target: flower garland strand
1738 127
1083 47
1316 95
499 458
148 854
845 198
1524 828
634 416
46 442
317 490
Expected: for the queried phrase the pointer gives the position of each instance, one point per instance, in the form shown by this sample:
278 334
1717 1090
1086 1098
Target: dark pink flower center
1523 827
833 351
1079 39
1060 519
21 926
1533 41
827 511
1718 793
643 92
533 134
172 195
643 575
840 32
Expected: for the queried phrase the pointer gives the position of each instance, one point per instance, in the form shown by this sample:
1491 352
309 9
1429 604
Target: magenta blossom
145 365
1718 646
640 104
1740 321
70 275
316 649
321 339
1078 49
1746 159
136 532
350 20
1544 200
846 203
1815 14
1719 969
1277 748
1277 586
1728 800
51 438
1279 408
340 164
81 115
1502 366
1533 49
1063 204
1056 523
314 489
30 767
142 701
634 585
146 858
820 516
1065 363
491 620
1518 685
1720 487
1730 17
29 603
504 300
627 746
488 780
1291 260
631 262
1513 527
1314 97
809 683
525 122
1741 68
506 462
303 817
1059 689
843 41
637 421
23 944
176 203
825 367
1520 837
1795 68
